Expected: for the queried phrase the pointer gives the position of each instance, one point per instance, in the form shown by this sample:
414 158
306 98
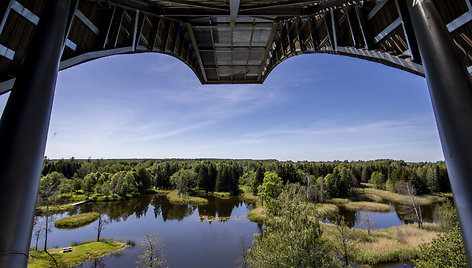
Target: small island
76 221
175 198
77 254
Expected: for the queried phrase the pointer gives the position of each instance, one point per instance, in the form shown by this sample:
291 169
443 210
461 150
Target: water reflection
216 208
195 236
399 215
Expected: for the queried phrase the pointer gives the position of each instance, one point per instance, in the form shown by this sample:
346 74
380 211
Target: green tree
258 179
203 178
183 180
293 238
446 250
447 216
122 183
154 252
270 188
143 179
338 184
378 180
89 183
46 195
432 179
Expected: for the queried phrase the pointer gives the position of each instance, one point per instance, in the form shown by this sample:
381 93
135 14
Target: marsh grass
368 206
76 220
389 196
162 191
339 201
370 197
79 254
54 208
174 197
257 215
325 209
247 195
222 195
396 244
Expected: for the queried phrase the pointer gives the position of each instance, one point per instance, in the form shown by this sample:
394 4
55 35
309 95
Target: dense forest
95 178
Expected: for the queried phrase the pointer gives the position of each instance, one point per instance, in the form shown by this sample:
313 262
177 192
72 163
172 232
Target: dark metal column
450 89
23 132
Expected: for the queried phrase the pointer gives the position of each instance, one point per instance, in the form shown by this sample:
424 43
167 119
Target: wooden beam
269 47
195 49
87 22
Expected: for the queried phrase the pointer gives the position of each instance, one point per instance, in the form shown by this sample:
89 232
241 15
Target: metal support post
23 132
450 89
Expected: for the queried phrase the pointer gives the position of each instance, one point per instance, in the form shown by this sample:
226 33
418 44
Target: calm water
194 236
399 215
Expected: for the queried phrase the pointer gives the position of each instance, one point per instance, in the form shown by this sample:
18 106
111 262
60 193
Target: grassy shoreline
396 244
257 215
325 209
76 220
174 197
79 254
247 195
222 195
368 206
380 195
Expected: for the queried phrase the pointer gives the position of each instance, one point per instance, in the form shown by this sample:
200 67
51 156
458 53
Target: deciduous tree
154 252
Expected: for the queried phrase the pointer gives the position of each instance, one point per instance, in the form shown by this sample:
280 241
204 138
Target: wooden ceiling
231 41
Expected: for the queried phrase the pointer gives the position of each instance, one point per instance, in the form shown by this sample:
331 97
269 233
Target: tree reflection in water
216 209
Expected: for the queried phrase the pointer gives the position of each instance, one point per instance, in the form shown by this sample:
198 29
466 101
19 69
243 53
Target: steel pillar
450 88
23 132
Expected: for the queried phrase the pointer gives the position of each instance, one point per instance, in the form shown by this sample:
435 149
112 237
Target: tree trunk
47 225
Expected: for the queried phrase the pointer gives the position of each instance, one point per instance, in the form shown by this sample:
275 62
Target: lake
194 236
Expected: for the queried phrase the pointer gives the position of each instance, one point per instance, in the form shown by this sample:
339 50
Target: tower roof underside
232 41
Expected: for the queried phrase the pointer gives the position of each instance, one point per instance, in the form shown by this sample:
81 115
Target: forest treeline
333 179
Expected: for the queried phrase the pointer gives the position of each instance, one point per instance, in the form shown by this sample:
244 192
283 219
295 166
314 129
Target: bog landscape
244 213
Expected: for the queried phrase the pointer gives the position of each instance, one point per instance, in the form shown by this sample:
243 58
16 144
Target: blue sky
311 107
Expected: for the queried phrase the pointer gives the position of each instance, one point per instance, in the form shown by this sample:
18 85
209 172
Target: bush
447 216
447 250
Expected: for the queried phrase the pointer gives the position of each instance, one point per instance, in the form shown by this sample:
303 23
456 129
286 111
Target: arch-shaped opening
86 57
156 101
371 56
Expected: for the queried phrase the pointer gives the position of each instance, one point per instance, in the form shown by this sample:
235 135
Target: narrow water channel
399 215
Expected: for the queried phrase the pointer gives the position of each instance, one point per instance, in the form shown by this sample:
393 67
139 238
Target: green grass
71 198
76 220
79 254
162 191
370 197
257 215
54 208
386 195
325 209
338 201
114 197
185 199
223 195
247 195
368 206
396 244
